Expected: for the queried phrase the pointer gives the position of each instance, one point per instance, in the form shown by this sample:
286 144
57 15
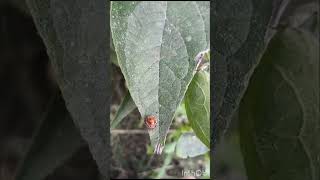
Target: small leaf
56 140
126 107
197 103
74 33
279 115
156 44
189 145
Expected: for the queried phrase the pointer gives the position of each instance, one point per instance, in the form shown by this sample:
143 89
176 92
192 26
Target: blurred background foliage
27 85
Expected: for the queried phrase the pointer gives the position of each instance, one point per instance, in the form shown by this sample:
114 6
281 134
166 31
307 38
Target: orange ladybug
150 121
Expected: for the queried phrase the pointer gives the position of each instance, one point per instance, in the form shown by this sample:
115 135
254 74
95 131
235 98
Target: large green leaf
197 103
74 33
156 44
56 140
279 115
239 37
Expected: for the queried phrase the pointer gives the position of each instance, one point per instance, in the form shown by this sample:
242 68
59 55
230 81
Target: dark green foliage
56 140
75 34
279 115
238 41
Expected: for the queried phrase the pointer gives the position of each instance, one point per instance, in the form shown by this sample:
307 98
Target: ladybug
150 121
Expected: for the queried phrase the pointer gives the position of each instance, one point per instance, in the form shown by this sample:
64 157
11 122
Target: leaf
219 85
56 140
238 40
312 24
156 43
310 20
126 107
300 13
74 33
204 8
197 103
279 115
231 24
189 145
